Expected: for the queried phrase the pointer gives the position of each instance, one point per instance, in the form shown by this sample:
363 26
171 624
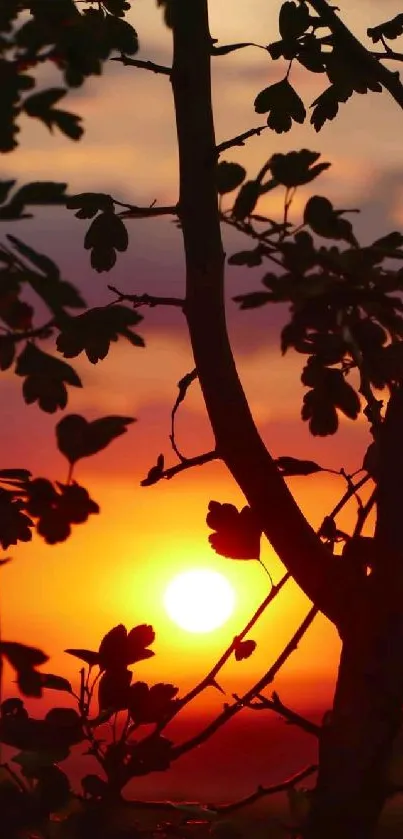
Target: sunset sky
116 567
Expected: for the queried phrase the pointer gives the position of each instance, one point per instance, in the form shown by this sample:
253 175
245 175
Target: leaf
390 30
294 19
250 258
94 330
31 763
246 200
52 790
237 534
55 682
229 176
78 438
292 466
253 300
21 656
46 265
106 234
244 649
38 103
296 168
40 193
283 104
89 203
45 378
5 187
88 656
113 690
7 352
324 220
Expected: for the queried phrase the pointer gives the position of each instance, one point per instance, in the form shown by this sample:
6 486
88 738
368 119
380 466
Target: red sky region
114 568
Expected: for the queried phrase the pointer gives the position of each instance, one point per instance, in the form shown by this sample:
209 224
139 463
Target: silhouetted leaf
55 682
324 220
78 438
229 176
88 656
294 19
40 193
15 526
390 30
156 472
326 106
292 466
5 187
250 258
237 534
296 168
151 704
246 200
253 300
94 330
283 104
45 378
113 689
40 105
89 203
49 268
244 649
52 790
22 657
106 234
7 352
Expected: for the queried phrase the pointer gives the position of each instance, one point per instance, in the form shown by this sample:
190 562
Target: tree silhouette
345 315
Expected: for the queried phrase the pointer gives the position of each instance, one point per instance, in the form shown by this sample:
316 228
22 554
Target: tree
342 316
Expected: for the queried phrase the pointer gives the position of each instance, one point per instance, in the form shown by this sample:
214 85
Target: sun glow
199 600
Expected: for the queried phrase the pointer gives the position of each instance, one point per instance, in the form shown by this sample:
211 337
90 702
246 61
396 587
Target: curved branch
263 792
313 567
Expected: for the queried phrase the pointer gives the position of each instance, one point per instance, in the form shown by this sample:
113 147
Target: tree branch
148 299
262 792
292 717
187 463
143 65
387 78
240 139
231 710
323 578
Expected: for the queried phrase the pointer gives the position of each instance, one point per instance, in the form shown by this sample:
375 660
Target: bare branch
231 710
148 299
262 792
240 139
143 65
292 717
146 212
156 474
390 54
183 386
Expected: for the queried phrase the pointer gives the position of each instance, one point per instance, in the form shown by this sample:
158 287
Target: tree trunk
366 714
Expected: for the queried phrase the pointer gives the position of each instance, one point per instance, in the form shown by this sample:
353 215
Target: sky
114 569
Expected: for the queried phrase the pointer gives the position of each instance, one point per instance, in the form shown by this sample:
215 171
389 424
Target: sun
199 600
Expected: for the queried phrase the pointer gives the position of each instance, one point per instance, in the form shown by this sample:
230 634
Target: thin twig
348 42
143 65
231 710
363 513
262 792
183 386
292 717
148 299
239 140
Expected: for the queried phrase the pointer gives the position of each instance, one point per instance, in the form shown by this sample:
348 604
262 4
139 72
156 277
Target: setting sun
199 600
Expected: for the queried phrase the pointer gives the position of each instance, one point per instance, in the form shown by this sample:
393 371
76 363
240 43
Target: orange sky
114 568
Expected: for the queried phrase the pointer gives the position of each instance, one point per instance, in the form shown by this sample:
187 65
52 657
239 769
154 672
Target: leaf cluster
348 69
77 40
345 304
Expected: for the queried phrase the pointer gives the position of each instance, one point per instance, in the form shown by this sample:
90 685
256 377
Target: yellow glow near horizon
199 600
